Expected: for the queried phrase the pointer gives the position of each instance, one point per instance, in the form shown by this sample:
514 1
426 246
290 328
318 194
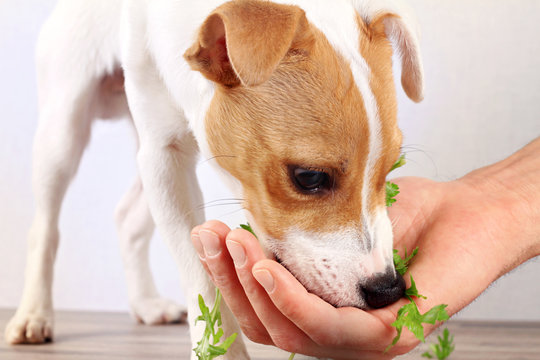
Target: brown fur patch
309 113
250 27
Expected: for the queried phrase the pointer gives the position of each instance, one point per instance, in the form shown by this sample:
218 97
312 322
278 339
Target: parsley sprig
208 348
443 348
409 315
392 189
402 264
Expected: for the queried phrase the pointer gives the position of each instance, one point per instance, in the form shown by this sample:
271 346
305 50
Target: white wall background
482 64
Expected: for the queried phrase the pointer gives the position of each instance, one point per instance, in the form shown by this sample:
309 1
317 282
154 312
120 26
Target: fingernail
196 240
210 242
237 252
265 279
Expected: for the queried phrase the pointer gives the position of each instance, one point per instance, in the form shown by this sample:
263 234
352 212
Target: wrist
509 192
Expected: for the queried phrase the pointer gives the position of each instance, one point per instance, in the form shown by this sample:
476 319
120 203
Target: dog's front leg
168 175
167 160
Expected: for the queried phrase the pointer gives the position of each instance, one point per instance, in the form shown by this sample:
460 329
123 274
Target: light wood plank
114 336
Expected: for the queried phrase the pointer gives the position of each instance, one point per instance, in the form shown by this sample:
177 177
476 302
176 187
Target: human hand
286 315
463 233
273 308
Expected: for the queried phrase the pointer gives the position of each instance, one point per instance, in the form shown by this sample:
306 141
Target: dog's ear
243 41
400 27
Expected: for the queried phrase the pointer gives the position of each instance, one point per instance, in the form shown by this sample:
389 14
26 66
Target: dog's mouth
379 291
278 259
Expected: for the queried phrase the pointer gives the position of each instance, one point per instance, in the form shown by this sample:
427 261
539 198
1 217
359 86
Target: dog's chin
332 288
332 298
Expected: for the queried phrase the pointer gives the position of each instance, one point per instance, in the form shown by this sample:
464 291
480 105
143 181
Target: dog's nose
383 289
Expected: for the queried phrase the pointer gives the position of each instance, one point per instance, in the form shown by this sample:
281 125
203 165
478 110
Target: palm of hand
456 234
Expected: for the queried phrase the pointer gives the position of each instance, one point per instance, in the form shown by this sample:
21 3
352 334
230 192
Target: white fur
168 102
331 265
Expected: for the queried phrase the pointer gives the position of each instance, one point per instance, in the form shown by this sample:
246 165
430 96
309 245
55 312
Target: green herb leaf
402 264
217 336
208 347
399 163
391 191
437 313
413 291
248 228
443 348
229 341
216 350
409 316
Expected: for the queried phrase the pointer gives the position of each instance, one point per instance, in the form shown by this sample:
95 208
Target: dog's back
89 32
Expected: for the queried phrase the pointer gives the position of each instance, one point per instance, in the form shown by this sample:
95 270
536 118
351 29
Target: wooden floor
114 336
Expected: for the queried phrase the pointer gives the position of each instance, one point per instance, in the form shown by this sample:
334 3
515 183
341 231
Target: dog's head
304 116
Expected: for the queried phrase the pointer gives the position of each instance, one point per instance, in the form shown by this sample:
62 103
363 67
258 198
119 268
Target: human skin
469 231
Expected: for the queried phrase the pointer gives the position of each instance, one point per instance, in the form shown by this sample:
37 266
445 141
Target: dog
295 102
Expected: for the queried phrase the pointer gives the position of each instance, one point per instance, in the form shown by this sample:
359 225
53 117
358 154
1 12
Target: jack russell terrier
293 99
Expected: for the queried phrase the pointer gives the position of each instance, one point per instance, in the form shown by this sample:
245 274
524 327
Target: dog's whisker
220 217
416 148
215 157
231 212
219 200
204 207
216 205
408 149
411 146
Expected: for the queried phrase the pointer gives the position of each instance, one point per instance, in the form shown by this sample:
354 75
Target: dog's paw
154 311
29 328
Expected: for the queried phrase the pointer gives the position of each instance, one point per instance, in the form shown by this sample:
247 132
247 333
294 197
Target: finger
212 235
196 241
343 327
283 332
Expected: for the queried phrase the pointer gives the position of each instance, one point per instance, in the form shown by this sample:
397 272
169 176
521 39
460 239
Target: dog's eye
310 181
